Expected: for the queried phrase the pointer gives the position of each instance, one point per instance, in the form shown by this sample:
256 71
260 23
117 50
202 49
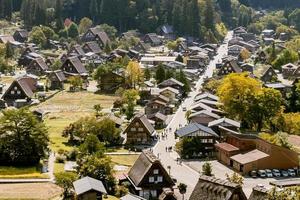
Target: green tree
37 36
294 18
73 30
85 24
98 167
58 15
91 145
98 108
9 53
160 74
76 82
207 169
130 97
24 139
287 56
147 74
65 180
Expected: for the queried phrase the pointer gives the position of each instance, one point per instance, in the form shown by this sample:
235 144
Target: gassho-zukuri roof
141 167
86 184
223 121
192 129
145 122
211 188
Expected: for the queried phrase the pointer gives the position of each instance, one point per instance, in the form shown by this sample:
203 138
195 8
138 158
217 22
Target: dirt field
22 191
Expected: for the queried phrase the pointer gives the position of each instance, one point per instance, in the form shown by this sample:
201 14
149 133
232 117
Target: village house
203 117
153 39
20 92
290 71
228 67
95 34
224 122
37 67
235 50
268 33
195 64
148 177
159 120
247 67
156 60
262 56
92 47
57 79
259 193
204 135
76 50
112 80
282 88
166 31
198 106
266 74
173 94
73 67
130 196
239 30
246 152
139 131
247 36
206 96
211 188
88 188
173 83
156 105
21 35
142 47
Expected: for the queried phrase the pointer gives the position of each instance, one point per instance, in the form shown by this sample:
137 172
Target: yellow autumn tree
134 73
245 54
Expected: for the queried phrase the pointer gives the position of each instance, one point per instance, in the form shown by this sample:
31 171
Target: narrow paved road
183 173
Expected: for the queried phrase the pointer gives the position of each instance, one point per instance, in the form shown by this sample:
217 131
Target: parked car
276 173
291 172
284 173
262 173
184 109
253 174
269 173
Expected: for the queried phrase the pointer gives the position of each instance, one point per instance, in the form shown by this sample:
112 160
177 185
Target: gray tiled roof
86 184
194 127
224 120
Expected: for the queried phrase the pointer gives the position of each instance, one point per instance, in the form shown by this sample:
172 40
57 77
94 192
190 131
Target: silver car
276 173
291 172
269 173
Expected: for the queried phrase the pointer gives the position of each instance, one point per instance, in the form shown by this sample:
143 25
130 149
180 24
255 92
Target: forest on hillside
205 19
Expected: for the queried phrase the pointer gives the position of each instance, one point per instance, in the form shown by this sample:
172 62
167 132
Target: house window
155 171
133 129
141 129
15 88
18 92
159 179
153 193
12 92
151 179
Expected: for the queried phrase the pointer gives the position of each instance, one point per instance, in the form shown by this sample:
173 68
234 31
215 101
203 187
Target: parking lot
219 171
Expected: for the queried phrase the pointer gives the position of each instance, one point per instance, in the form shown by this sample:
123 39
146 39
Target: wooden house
153 39
229 67
73 67
205 136
148 177
224 122
139 131
173 83
37 67
290 71
203 117
21 35
20 92
92 46
95 34
76 50
57 79
6 38
159 120
157 105
268 75
88 188
211 188
112 80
